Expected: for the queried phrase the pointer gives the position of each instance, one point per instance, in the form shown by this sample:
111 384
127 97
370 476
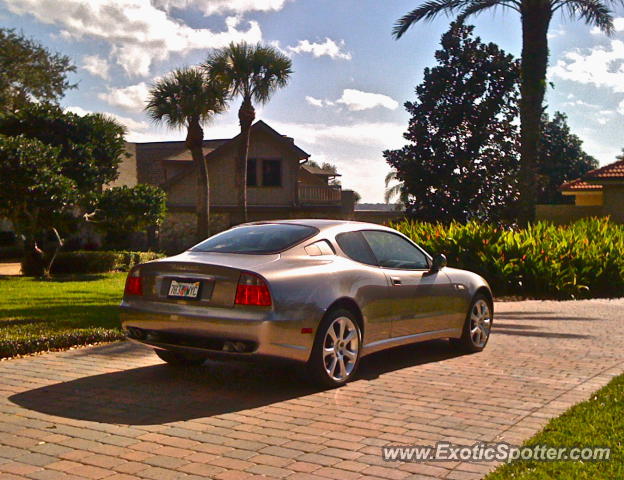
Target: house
279 183
599 192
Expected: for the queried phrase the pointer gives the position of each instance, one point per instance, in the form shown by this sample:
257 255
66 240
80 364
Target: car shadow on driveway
160 393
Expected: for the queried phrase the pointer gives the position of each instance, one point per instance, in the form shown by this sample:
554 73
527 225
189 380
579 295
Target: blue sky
344 103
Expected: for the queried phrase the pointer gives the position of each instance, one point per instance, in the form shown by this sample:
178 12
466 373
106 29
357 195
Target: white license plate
184 289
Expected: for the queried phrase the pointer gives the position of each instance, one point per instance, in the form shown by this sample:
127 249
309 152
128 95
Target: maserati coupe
323 293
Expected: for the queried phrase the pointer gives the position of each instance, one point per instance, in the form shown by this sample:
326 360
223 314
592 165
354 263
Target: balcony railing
319 194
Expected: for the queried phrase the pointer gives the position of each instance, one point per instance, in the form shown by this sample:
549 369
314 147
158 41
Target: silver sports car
321 292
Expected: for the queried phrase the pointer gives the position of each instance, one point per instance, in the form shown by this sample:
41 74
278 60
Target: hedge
99 261
34 342
583 259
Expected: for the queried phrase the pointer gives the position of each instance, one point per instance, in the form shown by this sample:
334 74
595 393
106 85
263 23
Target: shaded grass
38 315
597 422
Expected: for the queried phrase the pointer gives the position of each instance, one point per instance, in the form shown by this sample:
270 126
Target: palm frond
393 192
477 6
184 94
427 11
390 177
251 71
592 12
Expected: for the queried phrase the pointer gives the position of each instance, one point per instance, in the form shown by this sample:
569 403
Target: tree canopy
29 71
90 146
562 158
461 159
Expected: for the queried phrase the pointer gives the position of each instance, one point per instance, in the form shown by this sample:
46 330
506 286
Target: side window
252 173
393 251
356 248
272 173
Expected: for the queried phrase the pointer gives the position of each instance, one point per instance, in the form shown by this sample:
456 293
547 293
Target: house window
272 173
252 173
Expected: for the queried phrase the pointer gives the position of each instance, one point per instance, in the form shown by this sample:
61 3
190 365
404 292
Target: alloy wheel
340 348
480 323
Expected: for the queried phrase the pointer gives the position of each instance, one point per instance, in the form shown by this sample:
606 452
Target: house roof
613 171
579 185
320 171
217 146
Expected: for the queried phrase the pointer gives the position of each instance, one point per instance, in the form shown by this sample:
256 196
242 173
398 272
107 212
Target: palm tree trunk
246 117
536 17
194 142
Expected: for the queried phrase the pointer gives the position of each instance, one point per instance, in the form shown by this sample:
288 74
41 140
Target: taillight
134 286
252 290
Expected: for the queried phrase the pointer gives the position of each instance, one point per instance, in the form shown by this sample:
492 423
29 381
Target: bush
83 261
7 238
11 253
582 259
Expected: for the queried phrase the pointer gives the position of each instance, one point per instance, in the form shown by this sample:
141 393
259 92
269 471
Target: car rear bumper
235 332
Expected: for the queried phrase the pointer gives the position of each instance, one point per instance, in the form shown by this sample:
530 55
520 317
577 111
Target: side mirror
438 263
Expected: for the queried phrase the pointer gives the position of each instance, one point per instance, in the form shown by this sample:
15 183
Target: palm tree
254 72
393 191
535 17
184 99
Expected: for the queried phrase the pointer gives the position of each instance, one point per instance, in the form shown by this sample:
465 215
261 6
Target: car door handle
395 280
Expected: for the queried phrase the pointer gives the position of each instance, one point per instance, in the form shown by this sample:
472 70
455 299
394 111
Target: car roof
324 224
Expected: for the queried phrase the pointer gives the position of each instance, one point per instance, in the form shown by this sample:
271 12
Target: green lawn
597 422
37 315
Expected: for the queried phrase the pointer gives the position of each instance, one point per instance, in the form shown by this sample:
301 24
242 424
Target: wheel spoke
332 366
351 355
341 334
332 334
328 351
343 369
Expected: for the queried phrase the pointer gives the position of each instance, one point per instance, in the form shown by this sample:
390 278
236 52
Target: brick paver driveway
116 412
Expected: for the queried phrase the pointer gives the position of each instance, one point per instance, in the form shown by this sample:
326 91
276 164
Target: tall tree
52 163
562 158
34 196
535 17
254 72
185 99
30 72
461 161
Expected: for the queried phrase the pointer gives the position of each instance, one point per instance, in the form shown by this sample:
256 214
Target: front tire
337 347
477 326
180 359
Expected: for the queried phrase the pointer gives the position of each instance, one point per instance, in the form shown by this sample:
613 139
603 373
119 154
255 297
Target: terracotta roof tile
613 171
579 185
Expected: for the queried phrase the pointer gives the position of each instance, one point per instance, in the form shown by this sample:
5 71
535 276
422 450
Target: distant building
279 183
599 192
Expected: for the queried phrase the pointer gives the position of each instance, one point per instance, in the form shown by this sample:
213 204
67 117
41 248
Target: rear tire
336 353
180 359
477 326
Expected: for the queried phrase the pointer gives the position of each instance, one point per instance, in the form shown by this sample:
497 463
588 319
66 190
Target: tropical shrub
583 259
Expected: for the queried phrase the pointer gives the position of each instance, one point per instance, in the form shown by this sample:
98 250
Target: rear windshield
264 238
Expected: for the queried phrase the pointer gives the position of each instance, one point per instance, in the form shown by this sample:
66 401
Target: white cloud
211 7
374 135
131 98
315 102
356 149
130 123
599 66
138 31
328 48
96 66
357 100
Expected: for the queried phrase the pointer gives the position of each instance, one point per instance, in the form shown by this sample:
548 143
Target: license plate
184 289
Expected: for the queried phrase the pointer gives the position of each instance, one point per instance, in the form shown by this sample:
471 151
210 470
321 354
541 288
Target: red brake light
134 286
252 290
